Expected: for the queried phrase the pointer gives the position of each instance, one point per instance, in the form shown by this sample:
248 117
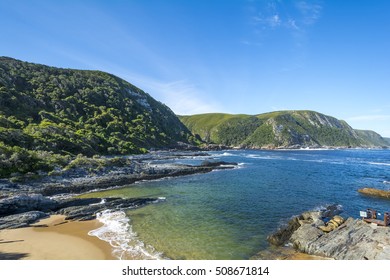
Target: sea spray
117 231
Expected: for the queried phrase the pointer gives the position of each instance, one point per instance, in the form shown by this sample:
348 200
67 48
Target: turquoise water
228 214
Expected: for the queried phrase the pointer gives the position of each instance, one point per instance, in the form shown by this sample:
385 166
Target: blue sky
247 56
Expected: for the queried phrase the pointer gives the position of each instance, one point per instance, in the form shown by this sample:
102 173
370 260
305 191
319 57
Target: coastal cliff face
48 114
282 129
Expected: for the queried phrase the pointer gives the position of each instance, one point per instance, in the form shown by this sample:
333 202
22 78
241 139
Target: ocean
227 214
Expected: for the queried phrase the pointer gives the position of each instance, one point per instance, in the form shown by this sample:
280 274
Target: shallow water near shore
227 214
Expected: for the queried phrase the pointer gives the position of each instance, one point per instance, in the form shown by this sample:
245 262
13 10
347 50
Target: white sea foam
62 196
226 154
386 182
101 202
379 163
117 231
259 157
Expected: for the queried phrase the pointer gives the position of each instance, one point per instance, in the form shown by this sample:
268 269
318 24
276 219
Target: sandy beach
54 239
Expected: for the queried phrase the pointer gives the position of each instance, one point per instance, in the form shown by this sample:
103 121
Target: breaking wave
117 231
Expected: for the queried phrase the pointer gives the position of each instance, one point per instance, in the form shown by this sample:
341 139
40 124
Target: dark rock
283 234
88 212
108 181
7 185
24 202
331 211
216 163
81 213
77 202
21 220
12 256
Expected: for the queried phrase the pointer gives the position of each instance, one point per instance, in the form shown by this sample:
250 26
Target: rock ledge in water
352 240
375 192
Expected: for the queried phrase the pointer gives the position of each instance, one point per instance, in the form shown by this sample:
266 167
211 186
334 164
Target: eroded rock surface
353 239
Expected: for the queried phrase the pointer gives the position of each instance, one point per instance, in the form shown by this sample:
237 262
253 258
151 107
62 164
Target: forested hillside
47 113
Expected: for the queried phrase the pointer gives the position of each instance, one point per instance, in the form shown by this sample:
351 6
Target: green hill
371 138
47 113
282 129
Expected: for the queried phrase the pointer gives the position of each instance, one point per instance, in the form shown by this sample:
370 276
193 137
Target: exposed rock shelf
352 240
375 192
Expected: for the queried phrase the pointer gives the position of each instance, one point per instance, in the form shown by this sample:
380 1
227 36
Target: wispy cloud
269 20
310 11
296 15
285 20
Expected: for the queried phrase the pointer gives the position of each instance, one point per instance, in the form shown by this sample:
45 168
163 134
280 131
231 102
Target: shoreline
26 232
54 238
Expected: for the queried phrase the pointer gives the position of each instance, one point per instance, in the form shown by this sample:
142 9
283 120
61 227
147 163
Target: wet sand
54 239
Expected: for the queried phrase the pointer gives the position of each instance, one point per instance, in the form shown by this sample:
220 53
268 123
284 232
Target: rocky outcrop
375 192
74 209
111 180
283 234
26 202
82 210
21 220
353 239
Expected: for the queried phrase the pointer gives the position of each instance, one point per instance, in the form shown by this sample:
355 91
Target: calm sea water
228 214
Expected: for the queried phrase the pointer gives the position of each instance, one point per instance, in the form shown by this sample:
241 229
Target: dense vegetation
48 115
279 129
